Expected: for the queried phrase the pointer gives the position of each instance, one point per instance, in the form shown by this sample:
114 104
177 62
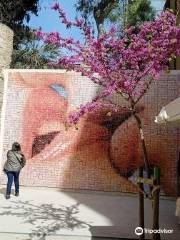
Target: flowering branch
126 66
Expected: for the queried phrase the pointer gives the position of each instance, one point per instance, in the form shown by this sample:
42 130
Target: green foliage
21 33
31 53
121 12
28 51
99 10
13 12
139 11
85 7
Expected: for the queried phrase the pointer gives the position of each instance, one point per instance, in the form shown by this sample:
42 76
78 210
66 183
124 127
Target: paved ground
48 214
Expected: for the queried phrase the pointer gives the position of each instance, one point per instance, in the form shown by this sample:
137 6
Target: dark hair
16 146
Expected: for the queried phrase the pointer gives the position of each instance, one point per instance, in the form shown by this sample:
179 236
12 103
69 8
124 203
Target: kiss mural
104 152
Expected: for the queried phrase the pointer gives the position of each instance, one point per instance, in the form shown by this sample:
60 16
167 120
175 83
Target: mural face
100 155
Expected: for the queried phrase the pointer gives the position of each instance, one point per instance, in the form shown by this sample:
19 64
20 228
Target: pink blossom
125 66
55 6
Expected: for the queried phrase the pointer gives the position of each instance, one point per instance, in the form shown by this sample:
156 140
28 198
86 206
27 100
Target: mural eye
59 89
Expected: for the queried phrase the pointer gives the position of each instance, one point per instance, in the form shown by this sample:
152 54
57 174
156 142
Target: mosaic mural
103 153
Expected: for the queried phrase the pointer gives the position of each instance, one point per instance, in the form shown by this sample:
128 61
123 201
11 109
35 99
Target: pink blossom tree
126 65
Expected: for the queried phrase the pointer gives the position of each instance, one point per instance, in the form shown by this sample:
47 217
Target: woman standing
13 165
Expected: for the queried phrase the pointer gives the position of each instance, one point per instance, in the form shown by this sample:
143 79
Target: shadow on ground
2 191
108 233
45 218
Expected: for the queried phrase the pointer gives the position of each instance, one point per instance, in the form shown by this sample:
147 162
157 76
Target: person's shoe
17 194
7 196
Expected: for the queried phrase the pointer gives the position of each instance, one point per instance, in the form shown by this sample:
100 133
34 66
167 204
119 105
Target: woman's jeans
12 176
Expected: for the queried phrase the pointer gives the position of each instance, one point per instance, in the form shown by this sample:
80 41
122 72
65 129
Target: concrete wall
6 47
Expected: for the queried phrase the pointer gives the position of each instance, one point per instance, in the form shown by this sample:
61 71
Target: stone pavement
50 214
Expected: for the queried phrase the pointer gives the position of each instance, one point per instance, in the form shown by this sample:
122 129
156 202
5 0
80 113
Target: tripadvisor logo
139 231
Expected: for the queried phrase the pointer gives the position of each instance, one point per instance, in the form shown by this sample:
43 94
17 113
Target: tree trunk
6 48
156 191
144 150
141 188
100 29
141 204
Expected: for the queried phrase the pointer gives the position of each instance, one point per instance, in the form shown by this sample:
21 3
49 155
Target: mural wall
104 152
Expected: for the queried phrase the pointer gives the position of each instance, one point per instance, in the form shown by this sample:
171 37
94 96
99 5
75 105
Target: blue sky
48 19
